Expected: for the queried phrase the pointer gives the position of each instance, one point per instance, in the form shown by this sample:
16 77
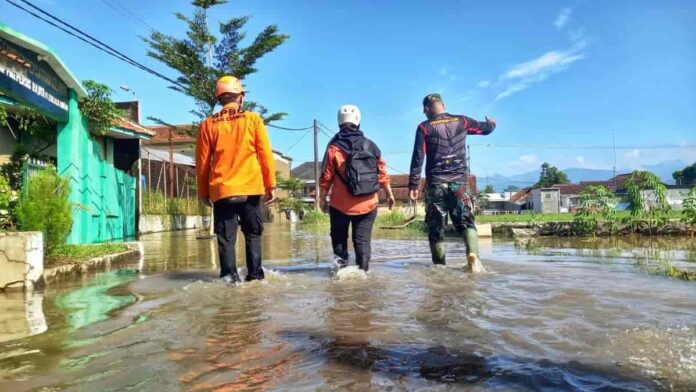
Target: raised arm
203 155
417 158
264 154
474 127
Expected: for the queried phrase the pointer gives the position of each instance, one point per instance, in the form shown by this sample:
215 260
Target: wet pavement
553 314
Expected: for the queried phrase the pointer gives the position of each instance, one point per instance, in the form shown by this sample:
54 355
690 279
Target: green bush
689 211
45 207
314 217
154 203
597 203
391 218
5 194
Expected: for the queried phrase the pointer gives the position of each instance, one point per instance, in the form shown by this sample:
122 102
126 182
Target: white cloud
445 73
529 158
515 88
523 75
580 160
552 61
483 84
563 18
633 154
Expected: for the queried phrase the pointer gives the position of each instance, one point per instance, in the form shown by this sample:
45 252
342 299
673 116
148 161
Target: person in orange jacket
235 168
352 173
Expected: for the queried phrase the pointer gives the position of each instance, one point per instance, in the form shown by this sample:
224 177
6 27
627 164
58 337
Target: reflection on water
550 317
21 315
94 301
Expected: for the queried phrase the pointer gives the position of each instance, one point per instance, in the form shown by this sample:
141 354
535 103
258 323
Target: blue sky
561 73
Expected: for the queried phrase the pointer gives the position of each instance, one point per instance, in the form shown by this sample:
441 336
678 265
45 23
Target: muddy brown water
556 314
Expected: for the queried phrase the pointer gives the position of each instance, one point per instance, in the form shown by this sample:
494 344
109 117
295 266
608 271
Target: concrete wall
159 223
104 194
21 259
675 197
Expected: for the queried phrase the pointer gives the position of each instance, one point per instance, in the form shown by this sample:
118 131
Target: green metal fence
30 168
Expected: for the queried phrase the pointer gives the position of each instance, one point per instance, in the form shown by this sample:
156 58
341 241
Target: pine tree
202 58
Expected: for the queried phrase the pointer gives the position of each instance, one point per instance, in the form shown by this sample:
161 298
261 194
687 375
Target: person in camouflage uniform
441 140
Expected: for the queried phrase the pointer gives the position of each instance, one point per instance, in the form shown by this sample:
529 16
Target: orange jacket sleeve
203 155
328 170
383 176
264 153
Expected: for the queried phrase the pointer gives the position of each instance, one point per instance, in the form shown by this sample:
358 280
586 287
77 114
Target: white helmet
349 114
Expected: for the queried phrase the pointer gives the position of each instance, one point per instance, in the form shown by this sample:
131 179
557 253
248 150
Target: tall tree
202 58
687 176
488 189
550 175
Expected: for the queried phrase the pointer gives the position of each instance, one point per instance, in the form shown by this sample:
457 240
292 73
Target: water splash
351 273
475 267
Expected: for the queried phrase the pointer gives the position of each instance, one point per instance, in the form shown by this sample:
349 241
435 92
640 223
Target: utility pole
614 157
316 165
171 164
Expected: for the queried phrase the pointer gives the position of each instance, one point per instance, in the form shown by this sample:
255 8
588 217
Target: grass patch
314 217
66 254
526 218
530 217
391 218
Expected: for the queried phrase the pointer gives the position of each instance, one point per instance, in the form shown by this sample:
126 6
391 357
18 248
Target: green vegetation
653 213
154 203
5 200
550 175
45 207
689 209
64 254
397 218
391 218
597 203
294 188
314 218
200 58
97 106
488 189
5 194
529 217
686 176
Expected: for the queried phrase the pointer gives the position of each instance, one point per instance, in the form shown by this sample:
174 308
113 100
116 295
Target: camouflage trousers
445 199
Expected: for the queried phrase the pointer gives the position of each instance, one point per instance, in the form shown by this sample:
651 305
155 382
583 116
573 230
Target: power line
125 11
288 129
580 147
396 170
571 147
326 128
297 142
96 43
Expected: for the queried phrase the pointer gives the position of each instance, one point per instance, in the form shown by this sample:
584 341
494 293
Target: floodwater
556 314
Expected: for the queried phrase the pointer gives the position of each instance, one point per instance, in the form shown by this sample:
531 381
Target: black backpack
362 173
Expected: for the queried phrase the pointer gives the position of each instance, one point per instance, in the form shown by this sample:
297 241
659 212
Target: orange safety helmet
229 84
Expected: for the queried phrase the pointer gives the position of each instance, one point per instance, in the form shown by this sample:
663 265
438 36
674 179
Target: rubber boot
471 241
473 263
437 252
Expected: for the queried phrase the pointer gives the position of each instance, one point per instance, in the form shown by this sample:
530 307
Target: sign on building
27 79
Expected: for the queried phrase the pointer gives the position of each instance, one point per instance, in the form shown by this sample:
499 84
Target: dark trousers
361 233
228 214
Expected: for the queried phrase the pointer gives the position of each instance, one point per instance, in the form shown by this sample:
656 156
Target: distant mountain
663 170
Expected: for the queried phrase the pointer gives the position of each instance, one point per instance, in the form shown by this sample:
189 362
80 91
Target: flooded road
559 314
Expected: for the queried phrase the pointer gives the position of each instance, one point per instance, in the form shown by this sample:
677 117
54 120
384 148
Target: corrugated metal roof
163 156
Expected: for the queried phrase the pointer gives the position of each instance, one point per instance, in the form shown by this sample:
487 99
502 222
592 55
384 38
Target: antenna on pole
614 132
